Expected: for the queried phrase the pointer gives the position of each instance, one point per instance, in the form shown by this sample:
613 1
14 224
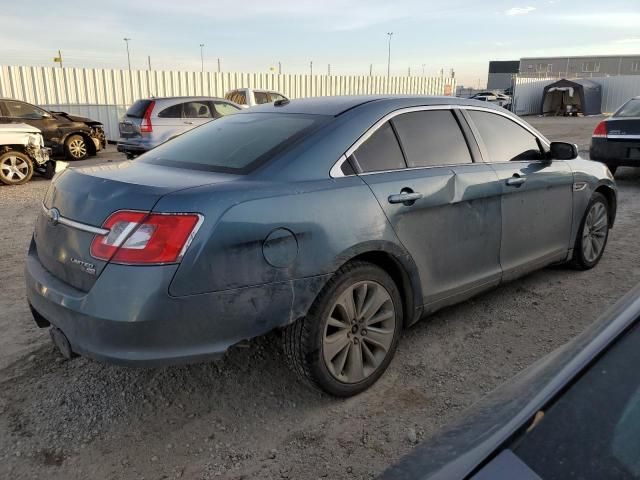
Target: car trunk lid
80 200
623 128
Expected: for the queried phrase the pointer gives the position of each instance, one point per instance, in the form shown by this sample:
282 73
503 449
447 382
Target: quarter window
431 138
175 111
197 110
380 152
505 140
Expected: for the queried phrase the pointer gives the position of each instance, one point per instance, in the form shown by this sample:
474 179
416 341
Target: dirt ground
247 416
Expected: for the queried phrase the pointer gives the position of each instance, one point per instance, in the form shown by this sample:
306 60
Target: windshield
629 109
236 143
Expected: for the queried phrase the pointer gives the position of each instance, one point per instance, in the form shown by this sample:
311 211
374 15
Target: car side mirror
563 151
46 115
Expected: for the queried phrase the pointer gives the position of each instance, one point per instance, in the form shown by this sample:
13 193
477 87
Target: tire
594 228
76 148
15 168
49 170
612 169
343 357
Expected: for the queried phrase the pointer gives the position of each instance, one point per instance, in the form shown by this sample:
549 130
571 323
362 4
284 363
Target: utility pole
149 61
279 68
371 69
202 57
423 65
218 65
409 72
126 40
389 34
58 59
311 67
329 69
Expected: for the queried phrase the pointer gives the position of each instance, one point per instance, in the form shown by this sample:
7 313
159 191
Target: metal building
581 66
501 73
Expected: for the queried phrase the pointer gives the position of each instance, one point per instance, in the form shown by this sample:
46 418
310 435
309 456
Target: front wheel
76 147
348 338
593 234
15 168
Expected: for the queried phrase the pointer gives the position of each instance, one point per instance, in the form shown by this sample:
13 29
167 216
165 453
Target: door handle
516 181
405 197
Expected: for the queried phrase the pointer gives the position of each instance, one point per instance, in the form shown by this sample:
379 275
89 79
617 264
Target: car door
449 225
536 193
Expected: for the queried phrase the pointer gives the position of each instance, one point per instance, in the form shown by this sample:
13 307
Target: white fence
105 94
527 98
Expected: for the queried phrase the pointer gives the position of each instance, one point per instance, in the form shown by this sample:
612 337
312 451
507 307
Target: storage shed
568 97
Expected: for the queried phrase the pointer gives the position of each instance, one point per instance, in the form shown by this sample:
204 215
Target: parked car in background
573 414
22 152
248 97
340 220
616 140
493 97
152 121
68 136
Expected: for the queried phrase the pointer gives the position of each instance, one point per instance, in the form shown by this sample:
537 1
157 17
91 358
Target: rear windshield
629 109
235 143
137 109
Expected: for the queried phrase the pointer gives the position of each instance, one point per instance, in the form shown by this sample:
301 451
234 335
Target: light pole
389 34
128 56
202 57
311 68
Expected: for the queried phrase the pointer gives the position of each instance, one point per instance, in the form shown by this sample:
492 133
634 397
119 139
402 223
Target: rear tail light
601 130
145 238
146 126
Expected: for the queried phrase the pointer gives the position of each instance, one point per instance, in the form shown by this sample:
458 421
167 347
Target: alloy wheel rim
14 168
359 332
78 148
594 232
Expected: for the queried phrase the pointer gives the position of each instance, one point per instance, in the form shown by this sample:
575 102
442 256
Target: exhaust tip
62 342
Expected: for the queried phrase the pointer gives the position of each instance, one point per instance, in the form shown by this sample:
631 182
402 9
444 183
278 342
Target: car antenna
280 103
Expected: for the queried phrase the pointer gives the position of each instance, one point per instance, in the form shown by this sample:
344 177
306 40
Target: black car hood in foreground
463 447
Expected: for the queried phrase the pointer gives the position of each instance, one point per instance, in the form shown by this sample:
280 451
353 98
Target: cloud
519 11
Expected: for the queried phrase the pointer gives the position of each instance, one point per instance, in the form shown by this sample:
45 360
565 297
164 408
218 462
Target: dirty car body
56 127
278 198
27 140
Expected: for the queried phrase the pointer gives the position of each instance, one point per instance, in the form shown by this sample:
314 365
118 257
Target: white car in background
248 97
22 152
493 97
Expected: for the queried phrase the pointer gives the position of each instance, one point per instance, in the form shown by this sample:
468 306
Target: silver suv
153 121
248 97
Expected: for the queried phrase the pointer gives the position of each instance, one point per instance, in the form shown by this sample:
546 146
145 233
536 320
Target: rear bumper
129 318
132 148
619 153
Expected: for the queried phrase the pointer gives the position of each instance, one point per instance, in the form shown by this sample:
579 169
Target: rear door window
261 97
504 139
237 96
276 96
380 151
197 110
430 138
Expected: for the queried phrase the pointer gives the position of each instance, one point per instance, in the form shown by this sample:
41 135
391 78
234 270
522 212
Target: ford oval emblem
54 215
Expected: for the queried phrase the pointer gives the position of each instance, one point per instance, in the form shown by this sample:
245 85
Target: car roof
337 105
195 97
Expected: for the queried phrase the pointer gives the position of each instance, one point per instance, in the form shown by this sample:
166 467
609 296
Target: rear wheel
76 147
351 332
15 168
593 234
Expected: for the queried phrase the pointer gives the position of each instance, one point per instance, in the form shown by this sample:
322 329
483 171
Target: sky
350 35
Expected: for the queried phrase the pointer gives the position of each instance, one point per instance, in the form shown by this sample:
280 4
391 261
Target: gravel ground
246 416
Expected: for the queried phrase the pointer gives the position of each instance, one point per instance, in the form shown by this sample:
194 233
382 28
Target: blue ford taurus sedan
339 220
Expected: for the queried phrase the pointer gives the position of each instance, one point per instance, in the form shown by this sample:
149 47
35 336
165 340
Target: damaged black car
68 136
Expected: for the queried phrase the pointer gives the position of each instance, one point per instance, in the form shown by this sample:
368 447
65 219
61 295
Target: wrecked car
68 136
22 152
338 220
